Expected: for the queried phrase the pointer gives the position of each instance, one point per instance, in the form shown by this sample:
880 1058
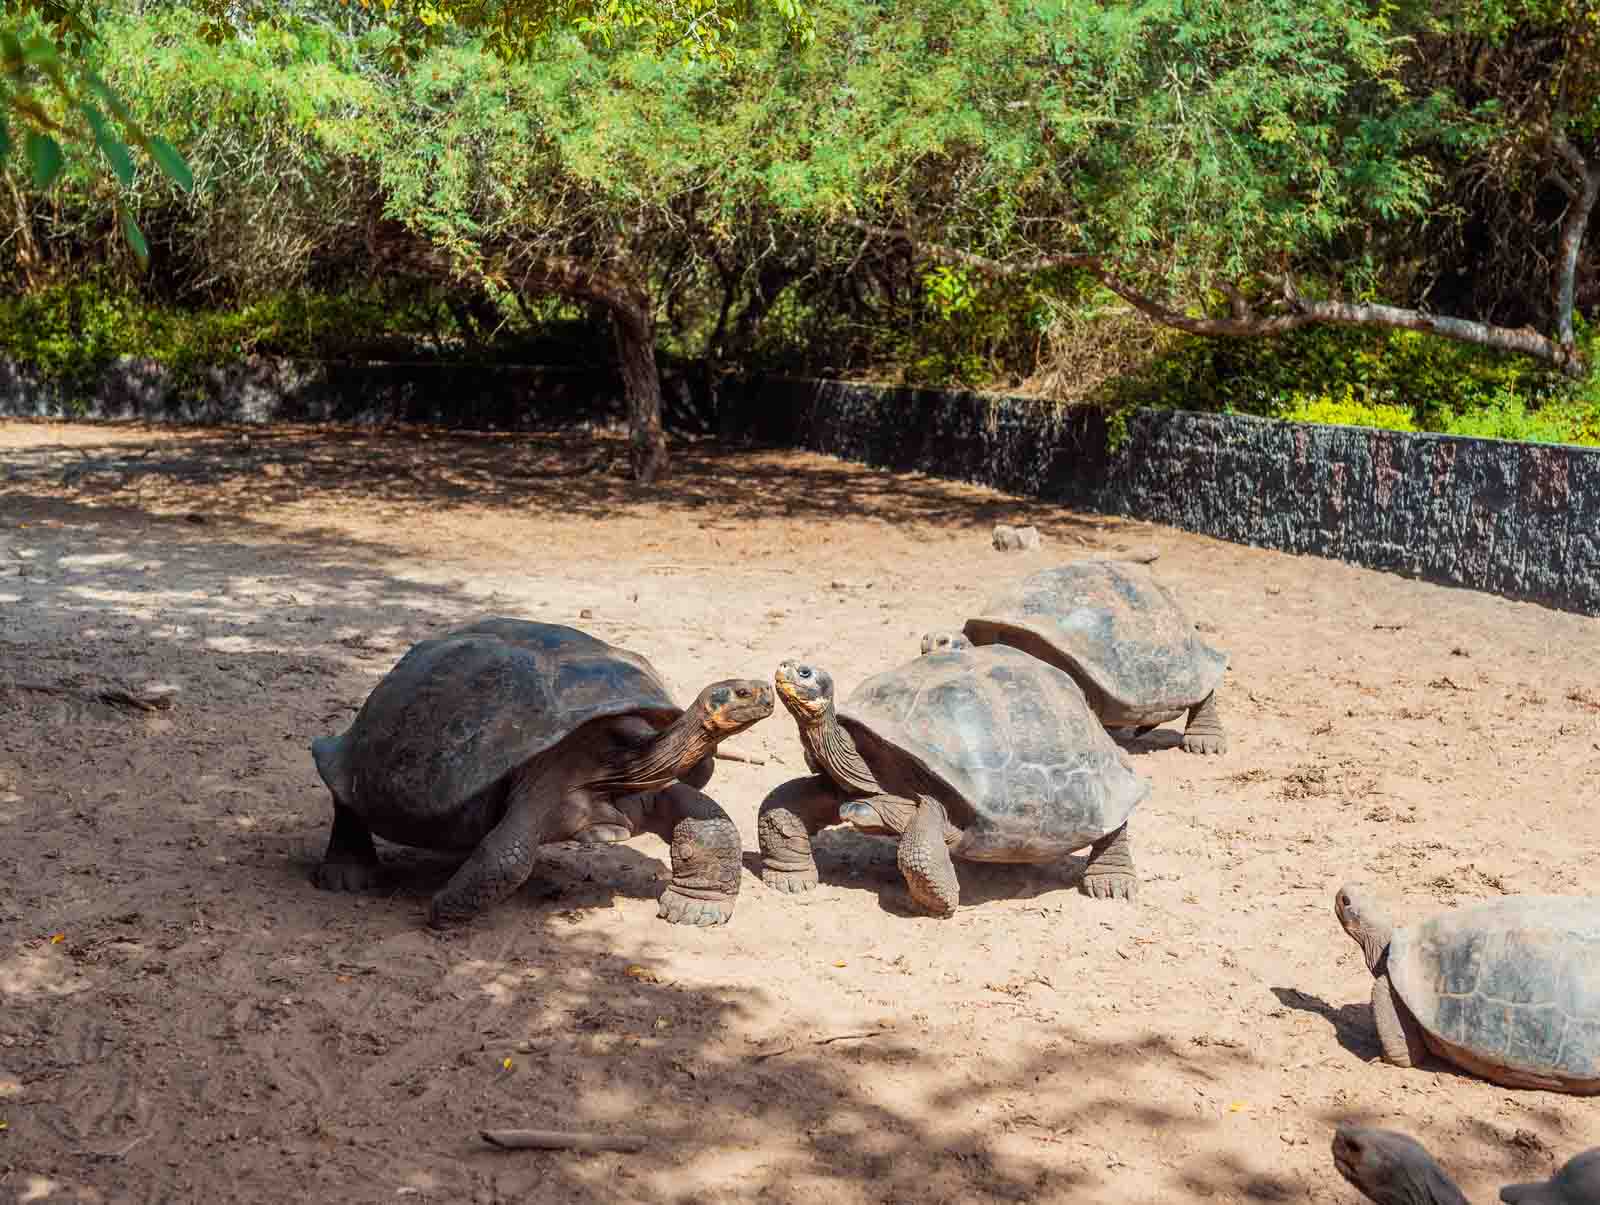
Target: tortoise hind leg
925 862
1203 733
790 816
351 860
707 856
1110 874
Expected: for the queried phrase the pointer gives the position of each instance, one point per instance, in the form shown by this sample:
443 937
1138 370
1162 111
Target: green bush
1398 380
71 333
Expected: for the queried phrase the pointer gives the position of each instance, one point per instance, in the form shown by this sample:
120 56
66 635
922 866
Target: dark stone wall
265 389
1521 520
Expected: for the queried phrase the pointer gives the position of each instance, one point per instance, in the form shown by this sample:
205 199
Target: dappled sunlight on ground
183 611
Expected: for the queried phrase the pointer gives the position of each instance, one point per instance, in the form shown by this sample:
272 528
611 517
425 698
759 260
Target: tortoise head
805 689
733 704
880 816
1387 1166
1577 1181
1365 919
944 642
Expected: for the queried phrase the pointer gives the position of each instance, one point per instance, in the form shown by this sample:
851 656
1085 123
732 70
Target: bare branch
1573 228
1246 324
1524 341
1570 153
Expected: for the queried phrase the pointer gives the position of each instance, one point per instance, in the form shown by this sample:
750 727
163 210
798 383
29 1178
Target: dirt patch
183 1017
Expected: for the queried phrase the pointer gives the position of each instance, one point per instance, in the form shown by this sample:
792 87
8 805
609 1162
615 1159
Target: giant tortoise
1122 635
1391 1168
986 754
1508 990
507 734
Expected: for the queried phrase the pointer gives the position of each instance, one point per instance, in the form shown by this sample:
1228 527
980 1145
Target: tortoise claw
346 876
679 909
1110 886
1203 743
792 881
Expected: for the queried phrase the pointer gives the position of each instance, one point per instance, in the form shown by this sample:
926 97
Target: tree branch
1573 228
1525 341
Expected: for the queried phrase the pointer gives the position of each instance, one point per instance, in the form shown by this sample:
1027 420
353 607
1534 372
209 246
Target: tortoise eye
805 671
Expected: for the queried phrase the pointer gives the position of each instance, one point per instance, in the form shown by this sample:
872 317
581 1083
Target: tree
574 258
1224 167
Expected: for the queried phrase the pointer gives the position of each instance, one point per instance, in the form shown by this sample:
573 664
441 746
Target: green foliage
1397 380
48 83
1345 410
73 333
969 331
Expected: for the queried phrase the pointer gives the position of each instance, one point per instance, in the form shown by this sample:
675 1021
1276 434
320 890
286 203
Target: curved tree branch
1300 312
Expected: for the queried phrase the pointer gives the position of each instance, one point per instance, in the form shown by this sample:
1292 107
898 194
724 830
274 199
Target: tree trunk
641 389
1574 226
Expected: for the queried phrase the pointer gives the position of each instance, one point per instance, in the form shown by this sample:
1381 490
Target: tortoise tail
328 753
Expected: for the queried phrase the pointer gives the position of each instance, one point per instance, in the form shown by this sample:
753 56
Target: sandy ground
184 1017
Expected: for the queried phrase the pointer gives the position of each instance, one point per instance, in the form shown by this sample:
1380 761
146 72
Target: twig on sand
115 695
839 1037
561 1140
754 759
120 1153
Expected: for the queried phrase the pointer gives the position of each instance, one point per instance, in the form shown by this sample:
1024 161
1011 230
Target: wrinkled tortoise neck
661 761
836 752
1372 930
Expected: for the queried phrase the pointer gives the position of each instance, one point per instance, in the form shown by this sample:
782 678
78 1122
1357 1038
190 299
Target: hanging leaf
109 98
110 145
135 237
45 155
169 161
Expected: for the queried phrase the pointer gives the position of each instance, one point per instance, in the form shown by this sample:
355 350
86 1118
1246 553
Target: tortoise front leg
925 862
351 861
1203 733
1398 1031
707 856
499 865
1110 874
790 816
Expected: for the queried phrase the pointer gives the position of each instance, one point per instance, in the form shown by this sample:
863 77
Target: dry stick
558 1140
842 1037
114 695
731 755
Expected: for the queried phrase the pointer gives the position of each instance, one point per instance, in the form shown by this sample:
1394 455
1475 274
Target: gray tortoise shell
1023 764
1113 623
1515 981
459 712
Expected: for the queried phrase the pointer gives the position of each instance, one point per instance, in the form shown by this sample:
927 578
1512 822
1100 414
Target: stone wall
268 389
1521 520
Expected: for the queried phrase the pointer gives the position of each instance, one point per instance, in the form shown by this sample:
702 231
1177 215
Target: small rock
586 614
1011 539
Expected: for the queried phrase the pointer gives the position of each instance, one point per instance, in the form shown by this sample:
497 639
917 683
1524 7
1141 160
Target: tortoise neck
660 761
836 752
1372 933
